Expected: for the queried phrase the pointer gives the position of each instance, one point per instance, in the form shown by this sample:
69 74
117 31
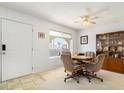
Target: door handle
3 49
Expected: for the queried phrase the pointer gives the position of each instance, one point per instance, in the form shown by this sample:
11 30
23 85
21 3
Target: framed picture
84 39
41 35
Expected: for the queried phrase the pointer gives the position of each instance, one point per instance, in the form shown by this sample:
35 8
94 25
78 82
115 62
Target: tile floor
53 80
32 81
29 82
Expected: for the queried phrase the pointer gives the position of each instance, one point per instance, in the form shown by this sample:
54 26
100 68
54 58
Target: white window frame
61 34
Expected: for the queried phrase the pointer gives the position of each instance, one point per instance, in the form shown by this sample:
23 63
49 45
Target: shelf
112 44
116 38
115 58
102 39
115 52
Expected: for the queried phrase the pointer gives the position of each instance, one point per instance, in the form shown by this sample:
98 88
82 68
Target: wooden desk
80 57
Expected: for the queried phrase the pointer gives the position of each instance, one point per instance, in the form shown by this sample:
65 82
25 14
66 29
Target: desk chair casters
94 67
93 76
72 76
70 66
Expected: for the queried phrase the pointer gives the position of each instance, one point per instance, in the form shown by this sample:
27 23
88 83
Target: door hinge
32 68
32 49
32 30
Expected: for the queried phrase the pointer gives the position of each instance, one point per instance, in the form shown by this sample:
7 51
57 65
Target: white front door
17 53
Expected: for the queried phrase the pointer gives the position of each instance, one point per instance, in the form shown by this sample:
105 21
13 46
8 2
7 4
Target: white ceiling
66 13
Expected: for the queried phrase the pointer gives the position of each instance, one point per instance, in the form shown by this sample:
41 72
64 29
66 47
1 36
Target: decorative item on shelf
112 49
99 37
99 44
99 49
105 49
41 35
116 56
115 42
84 39
119 42
104 37
122 57
119 48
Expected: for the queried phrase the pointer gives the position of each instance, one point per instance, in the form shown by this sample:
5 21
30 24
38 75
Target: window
57 41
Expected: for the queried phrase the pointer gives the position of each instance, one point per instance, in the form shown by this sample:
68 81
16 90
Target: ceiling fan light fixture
85 23
90 18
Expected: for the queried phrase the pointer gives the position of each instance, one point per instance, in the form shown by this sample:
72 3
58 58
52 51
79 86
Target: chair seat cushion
77 67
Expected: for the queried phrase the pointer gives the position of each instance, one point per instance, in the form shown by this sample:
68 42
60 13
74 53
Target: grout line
42 77
21 84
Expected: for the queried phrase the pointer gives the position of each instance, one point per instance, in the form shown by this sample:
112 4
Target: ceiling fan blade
93 22
95 17
101 11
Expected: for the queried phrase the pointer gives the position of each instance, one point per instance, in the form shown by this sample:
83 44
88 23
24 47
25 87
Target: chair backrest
67 61
99 60
90 54
65 51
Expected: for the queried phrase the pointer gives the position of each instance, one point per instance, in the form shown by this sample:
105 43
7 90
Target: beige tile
26 79
39 82
36 76
42 77
3 86
29 85
16 87
14 84
37 87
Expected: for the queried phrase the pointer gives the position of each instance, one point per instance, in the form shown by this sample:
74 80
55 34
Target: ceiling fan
91 17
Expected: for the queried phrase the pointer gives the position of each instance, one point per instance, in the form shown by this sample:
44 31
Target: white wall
41 60
97 29
0 51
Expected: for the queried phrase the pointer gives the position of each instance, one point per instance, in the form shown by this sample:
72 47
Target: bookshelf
112 44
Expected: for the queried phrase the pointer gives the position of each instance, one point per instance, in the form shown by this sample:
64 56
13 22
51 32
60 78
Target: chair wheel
89 81
101 80
67 74
78 81
64 80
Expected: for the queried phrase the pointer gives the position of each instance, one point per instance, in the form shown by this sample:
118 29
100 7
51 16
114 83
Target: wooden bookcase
112 44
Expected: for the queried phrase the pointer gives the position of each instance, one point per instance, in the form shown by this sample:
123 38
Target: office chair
75 69
95 66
